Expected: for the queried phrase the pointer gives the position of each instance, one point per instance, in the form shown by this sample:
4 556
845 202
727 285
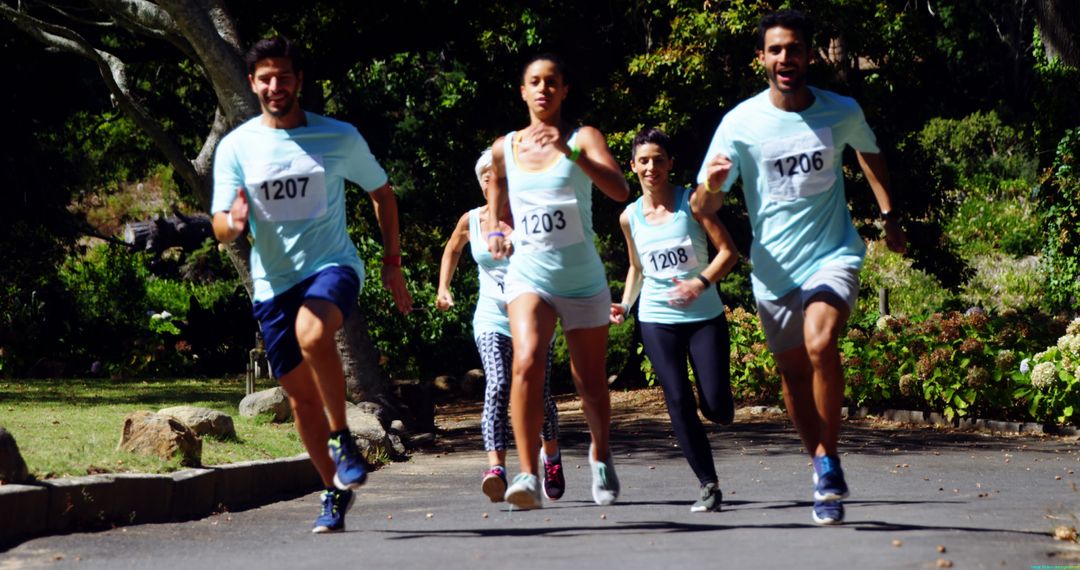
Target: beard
286 105
791 85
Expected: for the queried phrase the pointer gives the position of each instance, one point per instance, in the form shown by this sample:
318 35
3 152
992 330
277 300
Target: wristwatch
890 216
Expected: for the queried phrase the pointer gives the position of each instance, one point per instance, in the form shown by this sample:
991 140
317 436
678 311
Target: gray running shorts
574 312
782 319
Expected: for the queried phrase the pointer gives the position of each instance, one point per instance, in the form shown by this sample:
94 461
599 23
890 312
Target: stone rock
422 439
444 385
203 421
396 444
372 439
473 382
273 402
12 467
372 408
398 427
164 436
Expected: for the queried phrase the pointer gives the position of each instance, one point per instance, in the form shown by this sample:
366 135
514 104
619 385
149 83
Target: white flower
1043 375
884 321
1074 327
1025 366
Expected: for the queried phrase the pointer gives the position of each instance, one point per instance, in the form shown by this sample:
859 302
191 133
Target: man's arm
708 196
877 174
386 212
231 223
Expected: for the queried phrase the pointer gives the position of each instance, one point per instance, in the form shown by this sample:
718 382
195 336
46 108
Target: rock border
917 417
99 501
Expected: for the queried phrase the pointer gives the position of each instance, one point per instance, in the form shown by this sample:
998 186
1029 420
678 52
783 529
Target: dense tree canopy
431 83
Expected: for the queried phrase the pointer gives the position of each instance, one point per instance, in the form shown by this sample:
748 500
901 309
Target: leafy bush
1001 282
754 375
1061 218
980 154
913 293
1051 379
980 226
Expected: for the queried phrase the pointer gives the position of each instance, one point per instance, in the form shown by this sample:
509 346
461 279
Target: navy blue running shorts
277 316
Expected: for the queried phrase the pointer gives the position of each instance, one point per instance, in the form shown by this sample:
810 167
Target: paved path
992 502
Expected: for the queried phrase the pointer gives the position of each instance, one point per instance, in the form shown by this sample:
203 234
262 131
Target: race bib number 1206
799 166
289 192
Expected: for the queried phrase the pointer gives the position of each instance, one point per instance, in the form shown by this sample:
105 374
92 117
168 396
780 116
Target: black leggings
707 344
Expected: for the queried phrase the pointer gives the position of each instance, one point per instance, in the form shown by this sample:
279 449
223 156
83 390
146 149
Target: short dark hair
651 135
560 66
276 46
789 19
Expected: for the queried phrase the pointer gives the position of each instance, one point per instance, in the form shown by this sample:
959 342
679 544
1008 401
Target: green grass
1003 282
72 427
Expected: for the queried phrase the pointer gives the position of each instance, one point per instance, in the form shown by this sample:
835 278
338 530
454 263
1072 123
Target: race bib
799 166
285 192
670 258
546 219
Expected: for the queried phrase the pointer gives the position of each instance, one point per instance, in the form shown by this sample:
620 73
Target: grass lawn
72 427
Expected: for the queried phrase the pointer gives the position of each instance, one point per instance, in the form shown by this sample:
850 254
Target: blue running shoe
351 470
828 512
829 484
334 506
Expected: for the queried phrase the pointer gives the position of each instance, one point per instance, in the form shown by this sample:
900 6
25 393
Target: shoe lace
552 470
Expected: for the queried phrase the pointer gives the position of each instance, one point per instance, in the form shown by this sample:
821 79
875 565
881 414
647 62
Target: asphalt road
989 501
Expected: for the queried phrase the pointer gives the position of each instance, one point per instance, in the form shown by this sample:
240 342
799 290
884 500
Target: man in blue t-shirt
282 174
786 144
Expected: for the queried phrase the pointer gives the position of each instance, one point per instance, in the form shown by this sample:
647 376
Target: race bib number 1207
799 166
289 192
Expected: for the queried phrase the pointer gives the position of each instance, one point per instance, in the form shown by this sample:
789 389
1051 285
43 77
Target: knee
820 345
312 334
530 364
723 414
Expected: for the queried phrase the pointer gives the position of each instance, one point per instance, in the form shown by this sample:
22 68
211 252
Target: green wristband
575 153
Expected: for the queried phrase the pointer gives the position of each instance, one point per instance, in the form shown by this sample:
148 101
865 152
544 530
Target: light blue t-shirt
490 314
295 184
553 233
790 164
674 249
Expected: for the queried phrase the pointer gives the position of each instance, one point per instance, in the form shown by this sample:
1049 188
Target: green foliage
754 376
68 427
1002 282
961 364
1050 380
982 155
912 292
1008 225
1060 205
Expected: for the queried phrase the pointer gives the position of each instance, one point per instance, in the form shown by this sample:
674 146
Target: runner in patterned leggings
547 171
681 313
491 331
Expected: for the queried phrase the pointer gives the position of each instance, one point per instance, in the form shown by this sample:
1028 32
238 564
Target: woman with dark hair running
491 331
681 313
546 171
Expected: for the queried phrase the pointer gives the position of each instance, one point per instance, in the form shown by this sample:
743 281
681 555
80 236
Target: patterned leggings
497 355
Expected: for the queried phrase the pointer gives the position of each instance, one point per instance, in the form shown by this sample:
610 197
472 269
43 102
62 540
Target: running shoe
351 470
828 512
494 483
524 492
554 480
605 484
710 500
335 504
829 484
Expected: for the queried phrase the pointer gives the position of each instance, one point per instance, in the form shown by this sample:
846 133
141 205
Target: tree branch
114 72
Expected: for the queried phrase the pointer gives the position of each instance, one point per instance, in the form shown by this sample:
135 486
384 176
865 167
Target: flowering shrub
958 364
754 376
1049 380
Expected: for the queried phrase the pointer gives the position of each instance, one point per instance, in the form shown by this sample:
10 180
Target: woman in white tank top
547 169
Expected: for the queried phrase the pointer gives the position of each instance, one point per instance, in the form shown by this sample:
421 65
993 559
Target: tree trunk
360 360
